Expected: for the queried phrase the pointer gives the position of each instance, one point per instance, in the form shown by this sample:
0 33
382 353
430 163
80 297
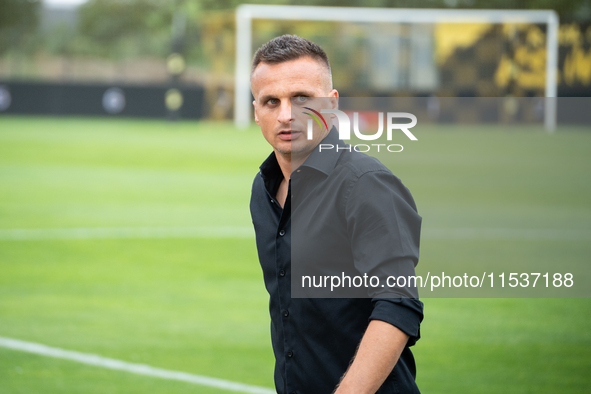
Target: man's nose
285 115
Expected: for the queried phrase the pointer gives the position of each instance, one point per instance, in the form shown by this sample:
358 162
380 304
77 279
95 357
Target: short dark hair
288 47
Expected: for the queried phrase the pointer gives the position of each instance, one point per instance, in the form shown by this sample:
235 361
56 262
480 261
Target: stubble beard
301 152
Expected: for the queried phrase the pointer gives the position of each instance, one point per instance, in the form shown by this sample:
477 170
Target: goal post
246 13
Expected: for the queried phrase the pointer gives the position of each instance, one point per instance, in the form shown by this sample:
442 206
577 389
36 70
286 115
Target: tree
18 21
110 25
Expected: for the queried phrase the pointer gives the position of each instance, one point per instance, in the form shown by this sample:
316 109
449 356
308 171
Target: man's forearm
376 356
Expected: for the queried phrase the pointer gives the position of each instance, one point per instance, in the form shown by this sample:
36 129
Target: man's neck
289 163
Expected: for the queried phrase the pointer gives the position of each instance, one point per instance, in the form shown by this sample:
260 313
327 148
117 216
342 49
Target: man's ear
256 118
334 99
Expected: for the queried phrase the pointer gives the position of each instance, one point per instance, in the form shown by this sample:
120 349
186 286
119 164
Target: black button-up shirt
314 339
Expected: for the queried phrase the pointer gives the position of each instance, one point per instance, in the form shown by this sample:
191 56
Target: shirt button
290 354
285 313
272 201
282 233
282 273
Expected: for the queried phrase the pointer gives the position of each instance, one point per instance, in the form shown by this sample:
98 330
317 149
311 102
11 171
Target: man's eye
301 99
272 101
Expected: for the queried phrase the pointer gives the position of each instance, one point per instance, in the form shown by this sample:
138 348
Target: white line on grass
140 369
247 232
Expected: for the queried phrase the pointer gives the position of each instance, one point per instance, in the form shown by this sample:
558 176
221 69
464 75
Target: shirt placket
283 261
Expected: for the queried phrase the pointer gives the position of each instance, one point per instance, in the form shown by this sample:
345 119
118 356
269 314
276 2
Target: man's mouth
288 135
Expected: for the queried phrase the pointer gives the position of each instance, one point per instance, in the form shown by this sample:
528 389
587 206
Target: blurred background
177 58
127 235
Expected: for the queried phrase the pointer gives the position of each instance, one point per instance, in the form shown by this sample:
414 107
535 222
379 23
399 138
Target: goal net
413 52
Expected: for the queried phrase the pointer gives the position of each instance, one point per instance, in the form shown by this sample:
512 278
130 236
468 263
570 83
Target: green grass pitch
197 304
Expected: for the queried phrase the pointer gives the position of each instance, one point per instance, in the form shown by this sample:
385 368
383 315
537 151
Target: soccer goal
246 14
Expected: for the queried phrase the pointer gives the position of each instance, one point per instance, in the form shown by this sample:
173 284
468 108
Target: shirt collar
326 160
271 174
270 166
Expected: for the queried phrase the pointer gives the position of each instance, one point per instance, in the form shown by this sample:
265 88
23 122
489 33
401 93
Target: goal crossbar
246 13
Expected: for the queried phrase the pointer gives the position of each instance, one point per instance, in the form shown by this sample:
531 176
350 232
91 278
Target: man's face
276 87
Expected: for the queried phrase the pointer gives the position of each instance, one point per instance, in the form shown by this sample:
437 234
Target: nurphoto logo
344 127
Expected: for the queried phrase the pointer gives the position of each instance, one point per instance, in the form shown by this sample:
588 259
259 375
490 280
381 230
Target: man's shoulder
257 195
359 164
369 176
258 181
258 177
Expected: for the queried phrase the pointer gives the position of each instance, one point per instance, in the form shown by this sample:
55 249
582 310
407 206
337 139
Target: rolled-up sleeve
403 313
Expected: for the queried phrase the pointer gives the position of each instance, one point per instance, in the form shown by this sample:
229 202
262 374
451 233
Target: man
325 345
